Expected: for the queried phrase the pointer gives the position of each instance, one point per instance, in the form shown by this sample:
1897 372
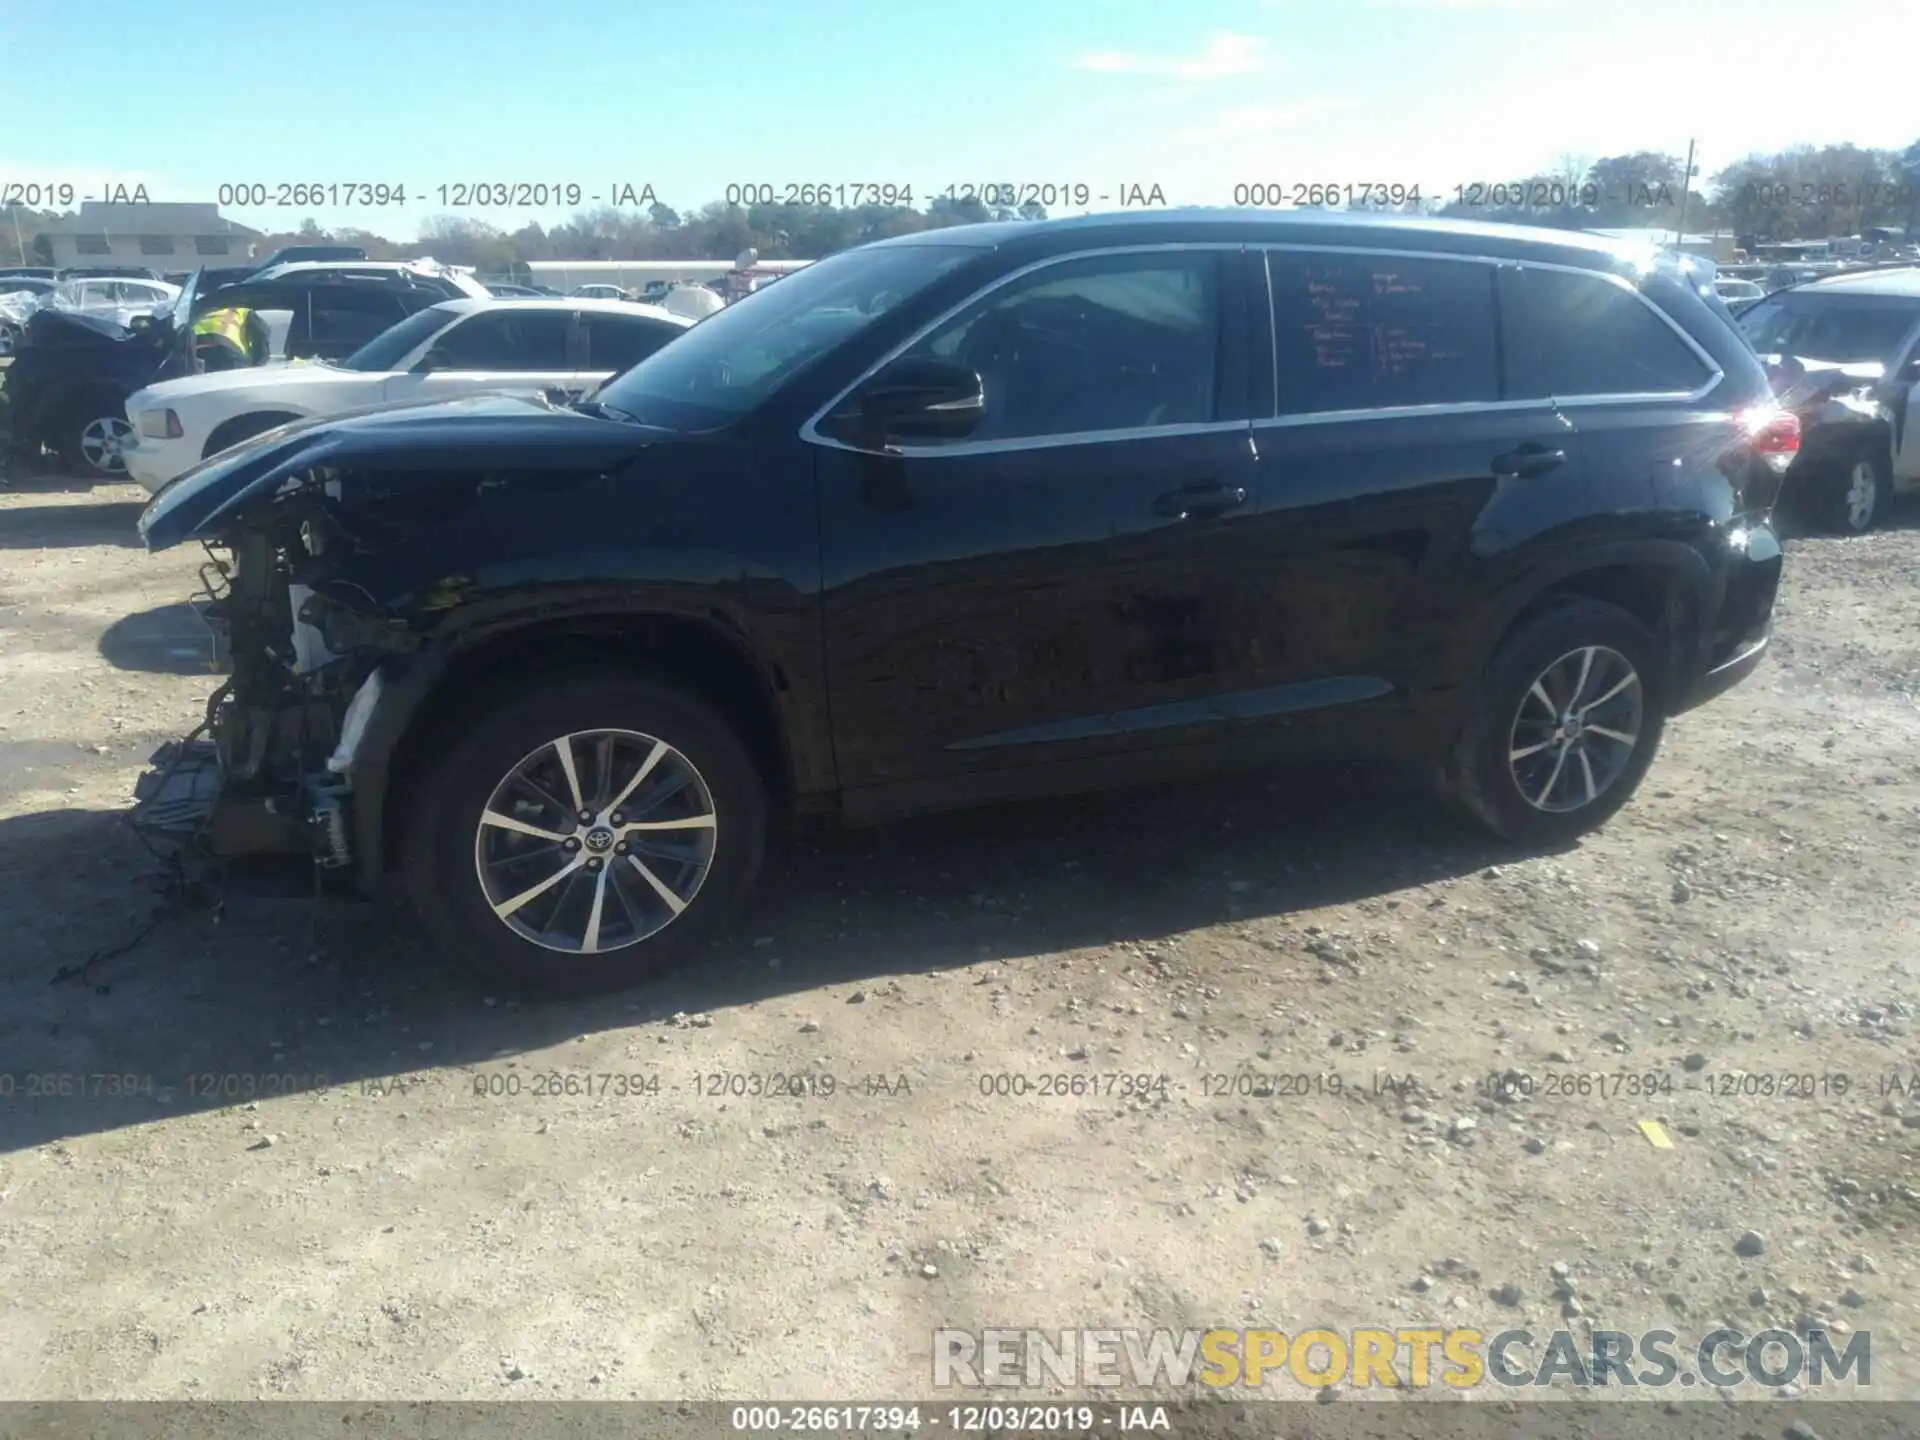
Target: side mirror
921 399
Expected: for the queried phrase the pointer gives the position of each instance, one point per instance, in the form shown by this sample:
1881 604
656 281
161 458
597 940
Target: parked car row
1843 354
118 301
1007 509
73 374
457 347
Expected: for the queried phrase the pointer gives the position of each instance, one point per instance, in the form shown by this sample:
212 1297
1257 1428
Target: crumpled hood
486 434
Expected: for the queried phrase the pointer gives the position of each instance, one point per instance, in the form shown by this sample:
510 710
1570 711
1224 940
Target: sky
1197 98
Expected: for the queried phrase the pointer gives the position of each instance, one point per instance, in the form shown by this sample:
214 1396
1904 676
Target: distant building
160 237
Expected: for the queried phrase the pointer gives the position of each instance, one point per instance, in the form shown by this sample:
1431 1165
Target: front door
1066 585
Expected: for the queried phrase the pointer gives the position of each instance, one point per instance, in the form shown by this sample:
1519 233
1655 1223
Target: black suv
994 511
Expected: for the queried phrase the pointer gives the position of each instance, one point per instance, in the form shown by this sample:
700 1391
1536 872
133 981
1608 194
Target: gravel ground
413 1219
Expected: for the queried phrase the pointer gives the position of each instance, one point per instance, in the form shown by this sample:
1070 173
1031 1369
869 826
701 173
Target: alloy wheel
9 338
1863 487
101 442
596 841
1576 729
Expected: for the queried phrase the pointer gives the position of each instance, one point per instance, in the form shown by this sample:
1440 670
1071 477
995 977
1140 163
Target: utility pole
1686 187
18 243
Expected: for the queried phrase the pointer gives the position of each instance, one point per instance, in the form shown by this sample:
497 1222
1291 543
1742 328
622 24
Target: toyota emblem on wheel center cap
599 840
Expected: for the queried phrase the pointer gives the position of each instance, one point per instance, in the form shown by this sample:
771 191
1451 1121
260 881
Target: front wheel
586 833
10 337
93 443
1564 724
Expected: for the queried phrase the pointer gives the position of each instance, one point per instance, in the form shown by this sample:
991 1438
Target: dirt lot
1752 914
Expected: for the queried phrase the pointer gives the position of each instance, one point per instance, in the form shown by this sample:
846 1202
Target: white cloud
1250 122
1222 54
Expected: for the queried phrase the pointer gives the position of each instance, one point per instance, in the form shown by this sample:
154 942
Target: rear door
511 349
1391 452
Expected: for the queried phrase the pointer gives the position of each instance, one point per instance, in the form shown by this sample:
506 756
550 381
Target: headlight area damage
274 773
327 540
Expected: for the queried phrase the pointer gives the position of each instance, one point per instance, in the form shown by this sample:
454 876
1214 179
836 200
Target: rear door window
1374 332
341 320
508 340
616 342
1594 336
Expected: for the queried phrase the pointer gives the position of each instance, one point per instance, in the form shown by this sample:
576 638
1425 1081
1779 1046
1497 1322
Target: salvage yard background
389 1232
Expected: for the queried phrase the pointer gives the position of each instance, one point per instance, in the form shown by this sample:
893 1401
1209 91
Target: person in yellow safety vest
230 331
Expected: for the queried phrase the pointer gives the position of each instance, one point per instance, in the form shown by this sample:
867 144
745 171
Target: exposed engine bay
271 777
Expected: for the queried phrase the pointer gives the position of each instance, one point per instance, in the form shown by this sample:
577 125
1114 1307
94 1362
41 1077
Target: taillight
1774 435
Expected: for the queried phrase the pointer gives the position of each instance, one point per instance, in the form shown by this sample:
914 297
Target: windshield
391 346
1819 327
736 357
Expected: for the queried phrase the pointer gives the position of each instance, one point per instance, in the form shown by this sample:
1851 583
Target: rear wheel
1565 722
586 833
1853 497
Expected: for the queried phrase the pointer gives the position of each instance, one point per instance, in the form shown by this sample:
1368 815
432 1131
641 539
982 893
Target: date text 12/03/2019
455 195
1013 195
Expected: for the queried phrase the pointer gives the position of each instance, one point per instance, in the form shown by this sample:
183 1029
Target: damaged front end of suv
327 584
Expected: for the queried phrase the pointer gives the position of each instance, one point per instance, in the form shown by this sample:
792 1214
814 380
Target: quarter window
1113 342
1593 337
1373 332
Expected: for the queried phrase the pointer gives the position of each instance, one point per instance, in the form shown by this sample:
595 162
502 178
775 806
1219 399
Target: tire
443 846
1854 497
1481 778
11 337
230 433
89 439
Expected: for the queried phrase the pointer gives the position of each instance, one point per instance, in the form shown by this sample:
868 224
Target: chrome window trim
1402 412
811 433
1053 442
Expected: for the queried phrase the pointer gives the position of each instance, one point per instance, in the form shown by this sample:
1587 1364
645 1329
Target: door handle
1200 500
1528 460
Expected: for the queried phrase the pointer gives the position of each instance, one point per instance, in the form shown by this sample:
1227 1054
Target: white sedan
458 347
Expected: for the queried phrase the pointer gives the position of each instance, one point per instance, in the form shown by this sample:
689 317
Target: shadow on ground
167 640
83 523
275 983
